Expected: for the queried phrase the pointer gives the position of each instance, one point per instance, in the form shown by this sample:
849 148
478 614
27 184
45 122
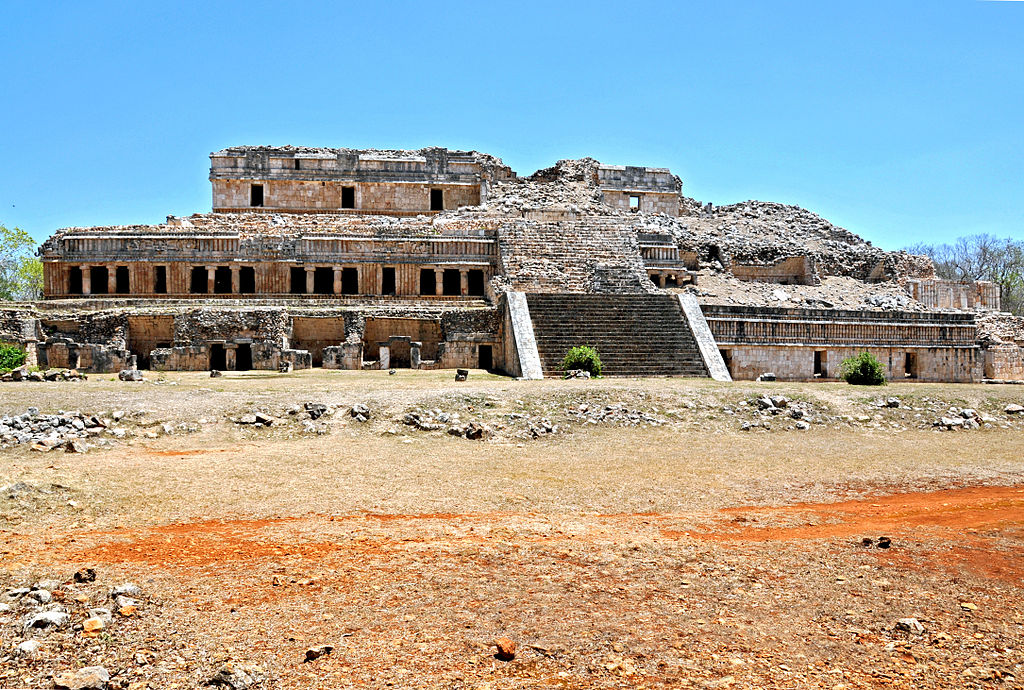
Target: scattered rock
910 625
85 575
314 653
884 542
88 678
477 432
1013 408
315 410
130 375
45 620
236 677
577 374
214 373
28 648
94 625
506 649
360 412
461 374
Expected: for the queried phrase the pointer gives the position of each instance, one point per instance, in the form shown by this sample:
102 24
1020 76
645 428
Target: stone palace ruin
378 259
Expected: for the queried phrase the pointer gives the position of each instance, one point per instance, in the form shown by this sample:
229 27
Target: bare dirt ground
623 533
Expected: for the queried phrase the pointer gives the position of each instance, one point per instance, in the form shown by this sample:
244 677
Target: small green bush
11 357
582 357
862 370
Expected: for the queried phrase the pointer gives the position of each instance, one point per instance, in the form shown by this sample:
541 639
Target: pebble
506 649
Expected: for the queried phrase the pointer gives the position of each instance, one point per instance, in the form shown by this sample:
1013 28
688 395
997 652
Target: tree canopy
21 273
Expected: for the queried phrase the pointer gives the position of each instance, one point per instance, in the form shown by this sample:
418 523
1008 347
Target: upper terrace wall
651 190
938 293
346 180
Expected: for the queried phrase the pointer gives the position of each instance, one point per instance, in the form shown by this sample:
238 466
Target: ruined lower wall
804 344
1004 362
793 270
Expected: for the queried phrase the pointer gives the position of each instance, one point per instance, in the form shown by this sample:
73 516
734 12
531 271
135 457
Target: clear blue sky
901 121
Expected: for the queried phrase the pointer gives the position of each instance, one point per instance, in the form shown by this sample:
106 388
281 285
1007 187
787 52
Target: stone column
438 281
385 355
463 282
86 280
414 354
309 279
235 283
210 272
111 279
230 356
337 280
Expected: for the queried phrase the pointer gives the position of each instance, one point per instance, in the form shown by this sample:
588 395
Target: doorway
486 356
243 357
218 359
400 353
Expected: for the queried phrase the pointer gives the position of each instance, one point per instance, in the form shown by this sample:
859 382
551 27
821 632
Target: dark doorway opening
400 356
451 282
197 283
75 281
350 281
323 280
428 281
247 280
486 355
298 280
476 282
160 280
222 280
218 359
256 195
122 281
348 197
387 280
98 276
820 364
243 357
436 200
910 366
297 165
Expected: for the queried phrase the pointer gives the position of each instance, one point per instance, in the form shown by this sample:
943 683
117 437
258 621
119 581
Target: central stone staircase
636 335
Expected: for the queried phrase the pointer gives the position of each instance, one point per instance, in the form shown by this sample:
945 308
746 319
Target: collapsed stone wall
201 325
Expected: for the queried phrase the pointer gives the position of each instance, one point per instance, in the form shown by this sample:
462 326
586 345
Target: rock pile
48 431
618 414
26 374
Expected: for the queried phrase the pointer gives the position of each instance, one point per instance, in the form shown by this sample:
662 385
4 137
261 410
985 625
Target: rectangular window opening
350 281
256 195
222 280
323 280
75 281
634 203
476 283
197 281
160 280
436 199
298 280
348 197
98 277
247 280
428 281
122 280
387 280
451 282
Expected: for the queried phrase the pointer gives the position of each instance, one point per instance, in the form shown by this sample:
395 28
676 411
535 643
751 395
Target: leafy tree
21 273
982 257
862 370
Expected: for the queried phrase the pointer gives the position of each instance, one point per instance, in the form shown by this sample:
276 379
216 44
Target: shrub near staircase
584 358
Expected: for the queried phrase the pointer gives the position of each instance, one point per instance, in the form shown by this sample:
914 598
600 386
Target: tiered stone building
353 259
